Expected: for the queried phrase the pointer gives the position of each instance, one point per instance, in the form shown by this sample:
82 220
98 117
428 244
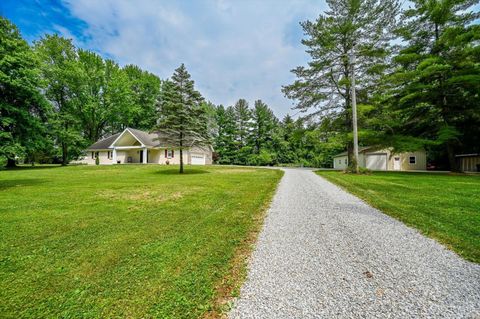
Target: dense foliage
420 93
418 86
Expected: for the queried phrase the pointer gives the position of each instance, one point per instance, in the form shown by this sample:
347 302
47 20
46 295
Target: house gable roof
145 138
104 144
148 139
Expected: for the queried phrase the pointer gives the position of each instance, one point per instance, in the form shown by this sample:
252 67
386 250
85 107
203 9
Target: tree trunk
451 157
181 153
11 162
64 153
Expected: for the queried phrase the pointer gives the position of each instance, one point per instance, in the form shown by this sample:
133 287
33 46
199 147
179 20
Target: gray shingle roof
104 144
148 139
360 150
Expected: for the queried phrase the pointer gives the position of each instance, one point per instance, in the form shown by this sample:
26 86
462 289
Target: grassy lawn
441 206
124 241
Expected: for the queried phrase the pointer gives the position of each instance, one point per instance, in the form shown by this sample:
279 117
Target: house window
339 161
93 155
169 153
109 155
413 160
345 161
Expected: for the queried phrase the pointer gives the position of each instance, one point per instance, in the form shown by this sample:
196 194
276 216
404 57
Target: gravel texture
324 253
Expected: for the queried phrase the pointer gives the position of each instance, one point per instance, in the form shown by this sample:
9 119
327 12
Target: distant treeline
417 82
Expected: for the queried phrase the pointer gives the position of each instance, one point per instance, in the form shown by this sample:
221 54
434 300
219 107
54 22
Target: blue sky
233 49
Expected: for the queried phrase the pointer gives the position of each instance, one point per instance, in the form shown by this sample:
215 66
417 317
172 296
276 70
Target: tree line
417 75
57 99
418 86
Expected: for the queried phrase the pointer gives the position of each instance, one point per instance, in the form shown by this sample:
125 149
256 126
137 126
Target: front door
396 163
141 156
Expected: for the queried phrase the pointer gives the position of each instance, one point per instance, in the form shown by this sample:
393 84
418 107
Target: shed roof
360 150
468 155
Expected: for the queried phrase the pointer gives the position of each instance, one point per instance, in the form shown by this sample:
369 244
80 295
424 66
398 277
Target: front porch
135 155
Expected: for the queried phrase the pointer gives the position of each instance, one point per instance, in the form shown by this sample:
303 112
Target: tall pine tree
182 119
359 26
435 89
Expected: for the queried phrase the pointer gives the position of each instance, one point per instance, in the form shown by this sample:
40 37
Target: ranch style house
136 146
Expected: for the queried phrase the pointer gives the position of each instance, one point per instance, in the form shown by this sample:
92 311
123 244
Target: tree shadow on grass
9 183
28 167
188 171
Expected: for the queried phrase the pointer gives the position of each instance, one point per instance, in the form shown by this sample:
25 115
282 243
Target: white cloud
233 49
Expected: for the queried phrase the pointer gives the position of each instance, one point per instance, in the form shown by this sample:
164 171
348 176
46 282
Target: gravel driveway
324 253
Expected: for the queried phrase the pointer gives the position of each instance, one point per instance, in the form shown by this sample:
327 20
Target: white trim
136 137
144 156
121 134
128 147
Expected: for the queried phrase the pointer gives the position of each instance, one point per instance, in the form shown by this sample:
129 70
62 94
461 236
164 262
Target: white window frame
414 161
169 153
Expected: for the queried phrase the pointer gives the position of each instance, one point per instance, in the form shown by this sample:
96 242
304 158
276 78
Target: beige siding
420 163
102 156
155 156
340 162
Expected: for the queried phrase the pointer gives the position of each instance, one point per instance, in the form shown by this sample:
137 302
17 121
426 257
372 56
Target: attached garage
376 161
197 159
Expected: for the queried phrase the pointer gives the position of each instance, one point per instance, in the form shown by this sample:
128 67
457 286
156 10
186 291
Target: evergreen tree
359 26
225 144
243 116
264 125
435 89
22 107
183 122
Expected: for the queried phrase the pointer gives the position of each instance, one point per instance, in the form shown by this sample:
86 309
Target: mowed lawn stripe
442 206
122 241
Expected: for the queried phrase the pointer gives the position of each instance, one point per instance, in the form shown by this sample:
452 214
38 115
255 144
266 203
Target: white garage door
376 162
198 159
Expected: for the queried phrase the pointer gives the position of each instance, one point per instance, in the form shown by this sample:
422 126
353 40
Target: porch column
144 155
114 156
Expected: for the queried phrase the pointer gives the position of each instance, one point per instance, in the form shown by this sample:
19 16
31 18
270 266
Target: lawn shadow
28 167
188 171
9 183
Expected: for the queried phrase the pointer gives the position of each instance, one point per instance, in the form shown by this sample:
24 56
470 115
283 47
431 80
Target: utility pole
354 111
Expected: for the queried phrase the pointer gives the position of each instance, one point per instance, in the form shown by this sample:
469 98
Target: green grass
127 241
443 207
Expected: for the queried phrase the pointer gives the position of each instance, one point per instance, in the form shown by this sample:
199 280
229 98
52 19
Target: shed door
198 159
376 162
396 163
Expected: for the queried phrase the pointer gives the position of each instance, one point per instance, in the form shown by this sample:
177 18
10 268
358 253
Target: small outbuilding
384 160
468 162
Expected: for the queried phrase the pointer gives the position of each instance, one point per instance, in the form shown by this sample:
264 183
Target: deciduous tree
22 107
